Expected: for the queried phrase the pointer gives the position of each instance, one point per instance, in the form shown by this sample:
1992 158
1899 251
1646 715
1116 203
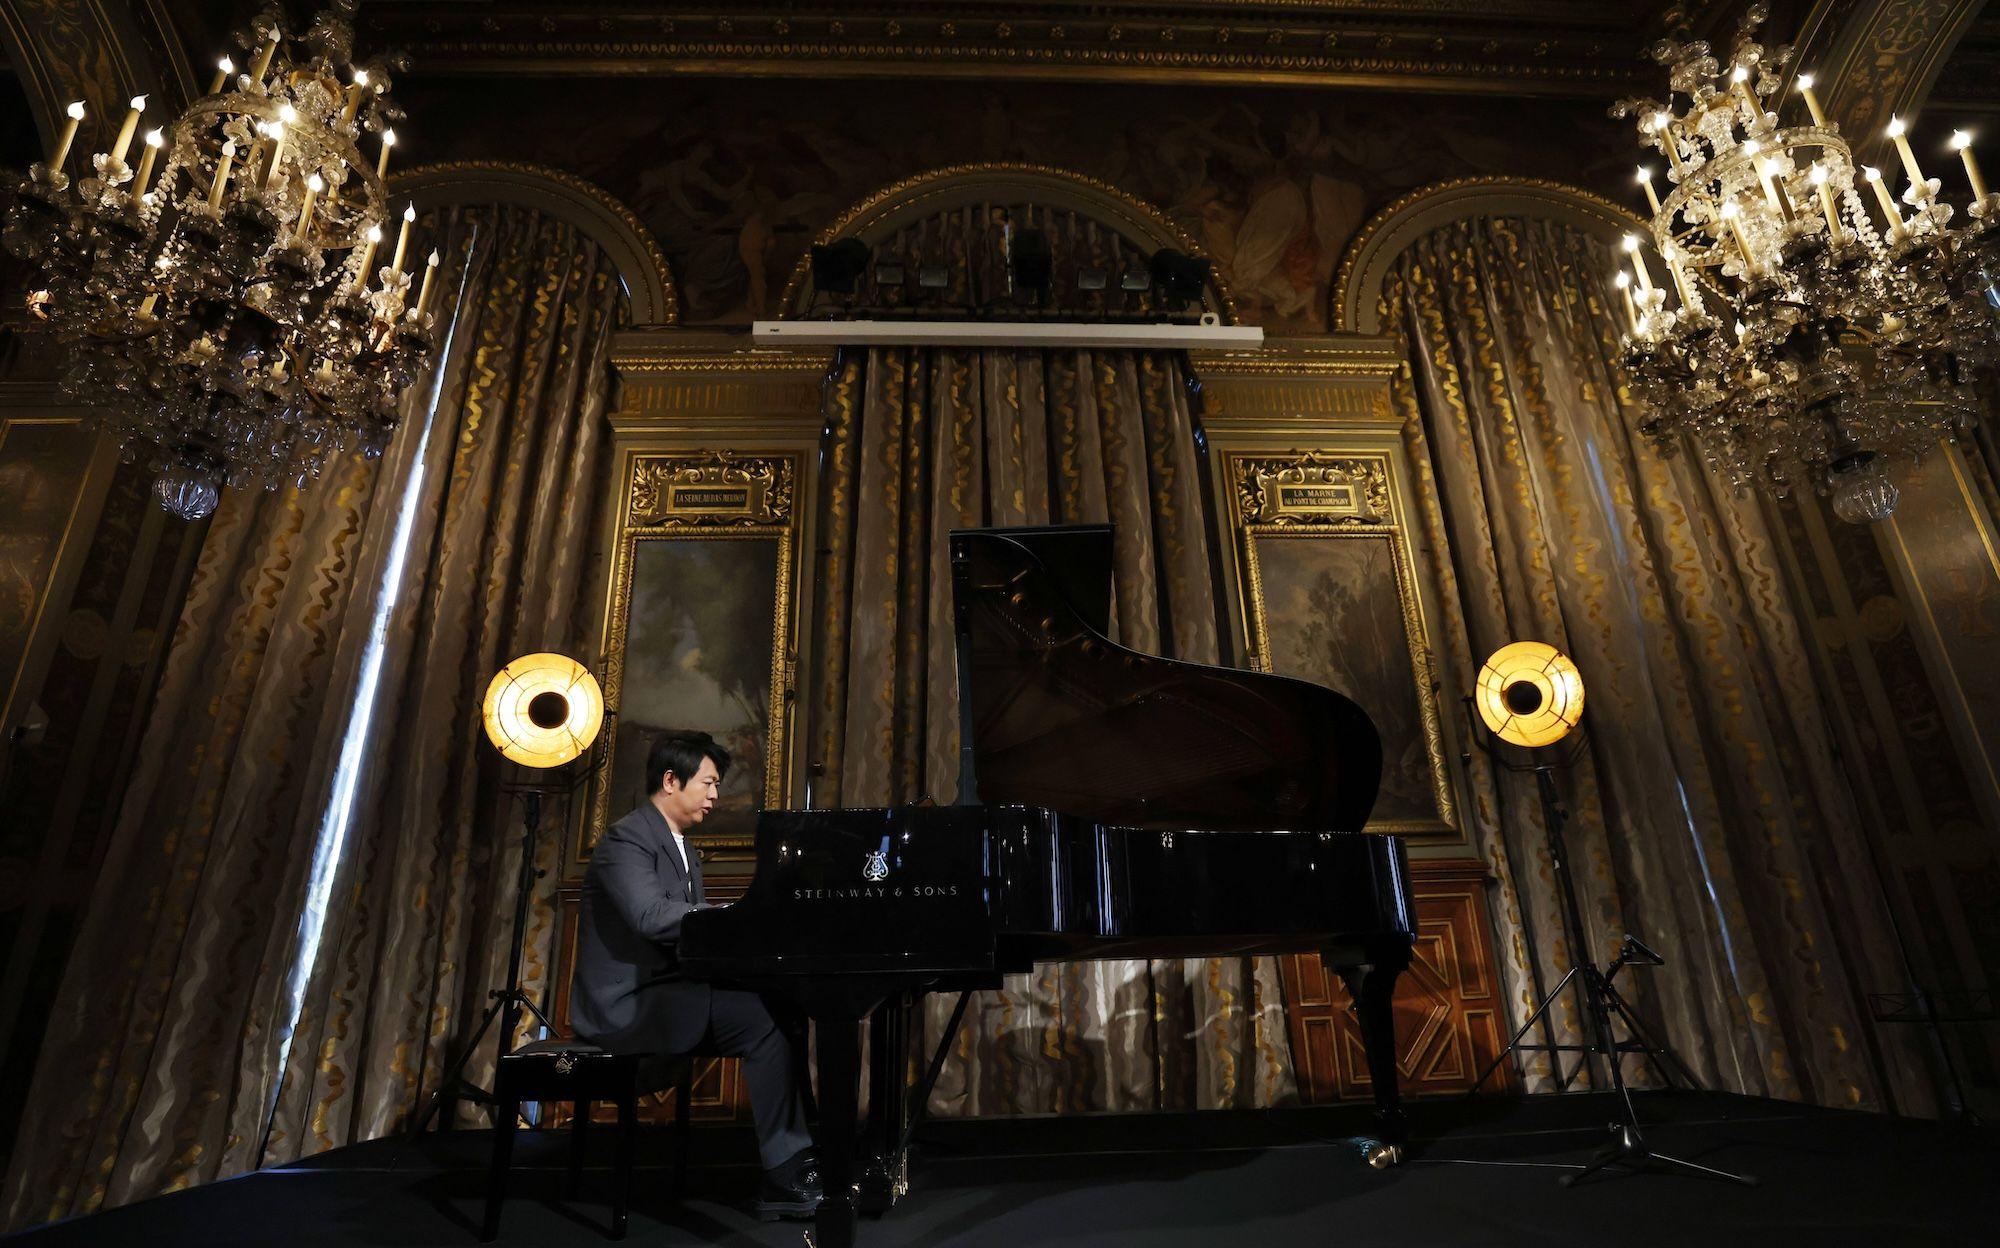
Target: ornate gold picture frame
700 630
1331 598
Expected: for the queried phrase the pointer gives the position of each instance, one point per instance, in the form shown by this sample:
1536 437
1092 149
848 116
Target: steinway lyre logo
876 869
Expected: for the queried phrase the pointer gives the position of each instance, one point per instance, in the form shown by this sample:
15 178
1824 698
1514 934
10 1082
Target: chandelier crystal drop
1806 340
222 318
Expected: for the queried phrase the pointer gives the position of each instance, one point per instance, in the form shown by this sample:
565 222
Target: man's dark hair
681 753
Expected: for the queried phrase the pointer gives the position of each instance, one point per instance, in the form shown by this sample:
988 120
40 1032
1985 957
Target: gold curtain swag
161 1064
921 442
1711 817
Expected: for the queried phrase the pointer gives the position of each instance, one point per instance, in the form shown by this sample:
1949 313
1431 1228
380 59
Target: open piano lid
1055 714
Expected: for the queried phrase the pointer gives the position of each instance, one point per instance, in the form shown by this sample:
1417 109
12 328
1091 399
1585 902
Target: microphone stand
1596 993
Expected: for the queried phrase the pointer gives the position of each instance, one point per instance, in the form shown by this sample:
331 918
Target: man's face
688 804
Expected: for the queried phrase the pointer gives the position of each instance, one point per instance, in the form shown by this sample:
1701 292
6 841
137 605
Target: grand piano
1111 804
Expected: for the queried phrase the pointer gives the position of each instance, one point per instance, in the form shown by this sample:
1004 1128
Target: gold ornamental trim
912 191
715 490
1313 488
1357 283
721 496
524 176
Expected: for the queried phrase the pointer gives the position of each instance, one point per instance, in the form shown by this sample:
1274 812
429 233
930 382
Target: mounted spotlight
1032 262
889 273
1180 278
837 266
1093 278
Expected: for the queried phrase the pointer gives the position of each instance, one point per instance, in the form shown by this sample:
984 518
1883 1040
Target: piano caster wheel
1378 1155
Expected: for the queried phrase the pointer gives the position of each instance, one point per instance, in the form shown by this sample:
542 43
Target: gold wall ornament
1529 694
542 710
1313 487
717 489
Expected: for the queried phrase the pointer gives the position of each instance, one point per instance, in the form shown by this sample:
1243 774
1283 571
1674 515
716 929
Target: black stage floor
1483 1172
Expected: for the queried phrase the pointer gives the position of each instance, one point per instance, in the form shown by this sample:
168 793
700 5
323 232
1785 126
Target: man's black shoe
790 1191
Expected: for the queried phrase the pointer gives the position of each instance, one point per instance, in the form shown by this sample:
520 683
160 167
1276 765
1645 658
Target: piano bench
581 1073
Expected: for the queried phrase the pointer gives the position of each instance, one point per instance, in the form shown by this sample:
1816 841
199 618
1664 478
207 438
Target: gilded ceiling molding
914 199
642 266
1548 46
64 50
1357 287
1878 58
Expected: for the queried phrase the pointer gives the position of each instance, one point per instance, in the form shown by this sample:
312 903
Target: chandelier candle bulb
75 114
146 306
1812 101
1739 79
221 175
126 131
1900 134
367 254
1882 197
277 154
1639 264
1834 233
1652 197
155 139
1624 283
1774 191
354 94
382 165
1734 216
403 238
314 185
430 274
223 68
1663 126
1961 143
264 58
1679 274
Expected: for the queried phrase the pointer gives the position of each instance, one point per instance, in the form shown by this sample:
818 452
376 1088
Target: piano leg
1371 982
881 1169
838 1037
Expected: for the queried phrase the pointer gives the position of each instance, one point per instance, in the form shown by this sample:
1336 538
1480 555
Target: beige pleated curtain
1711 817
920 443
165 1054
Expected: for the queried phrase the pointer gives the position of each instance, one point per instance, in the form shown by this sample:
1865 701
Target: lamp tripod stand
541 711
506 1003
1515 709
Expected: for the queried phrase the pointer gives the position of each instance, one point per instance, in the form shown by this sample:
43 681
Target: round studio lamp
542 710
1530 693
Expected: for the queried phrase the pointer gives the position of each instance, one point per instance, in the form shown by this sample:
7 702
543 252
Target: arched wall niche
1357 289
642 266
887 214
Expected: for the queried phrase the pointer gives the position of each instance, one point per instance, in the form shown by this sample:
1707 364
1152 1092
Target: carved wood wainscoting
1448 1004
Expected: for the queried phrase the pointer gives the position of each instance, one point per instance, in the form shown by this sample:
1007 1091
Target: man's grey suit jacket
627 992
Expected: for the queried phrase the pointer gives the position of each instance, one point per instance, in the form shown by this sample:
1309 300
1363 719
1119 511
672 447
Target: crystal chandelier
1806 342
208 314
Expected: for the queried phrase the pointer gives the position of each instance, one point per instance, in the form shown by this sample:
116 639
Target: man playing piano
628 994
